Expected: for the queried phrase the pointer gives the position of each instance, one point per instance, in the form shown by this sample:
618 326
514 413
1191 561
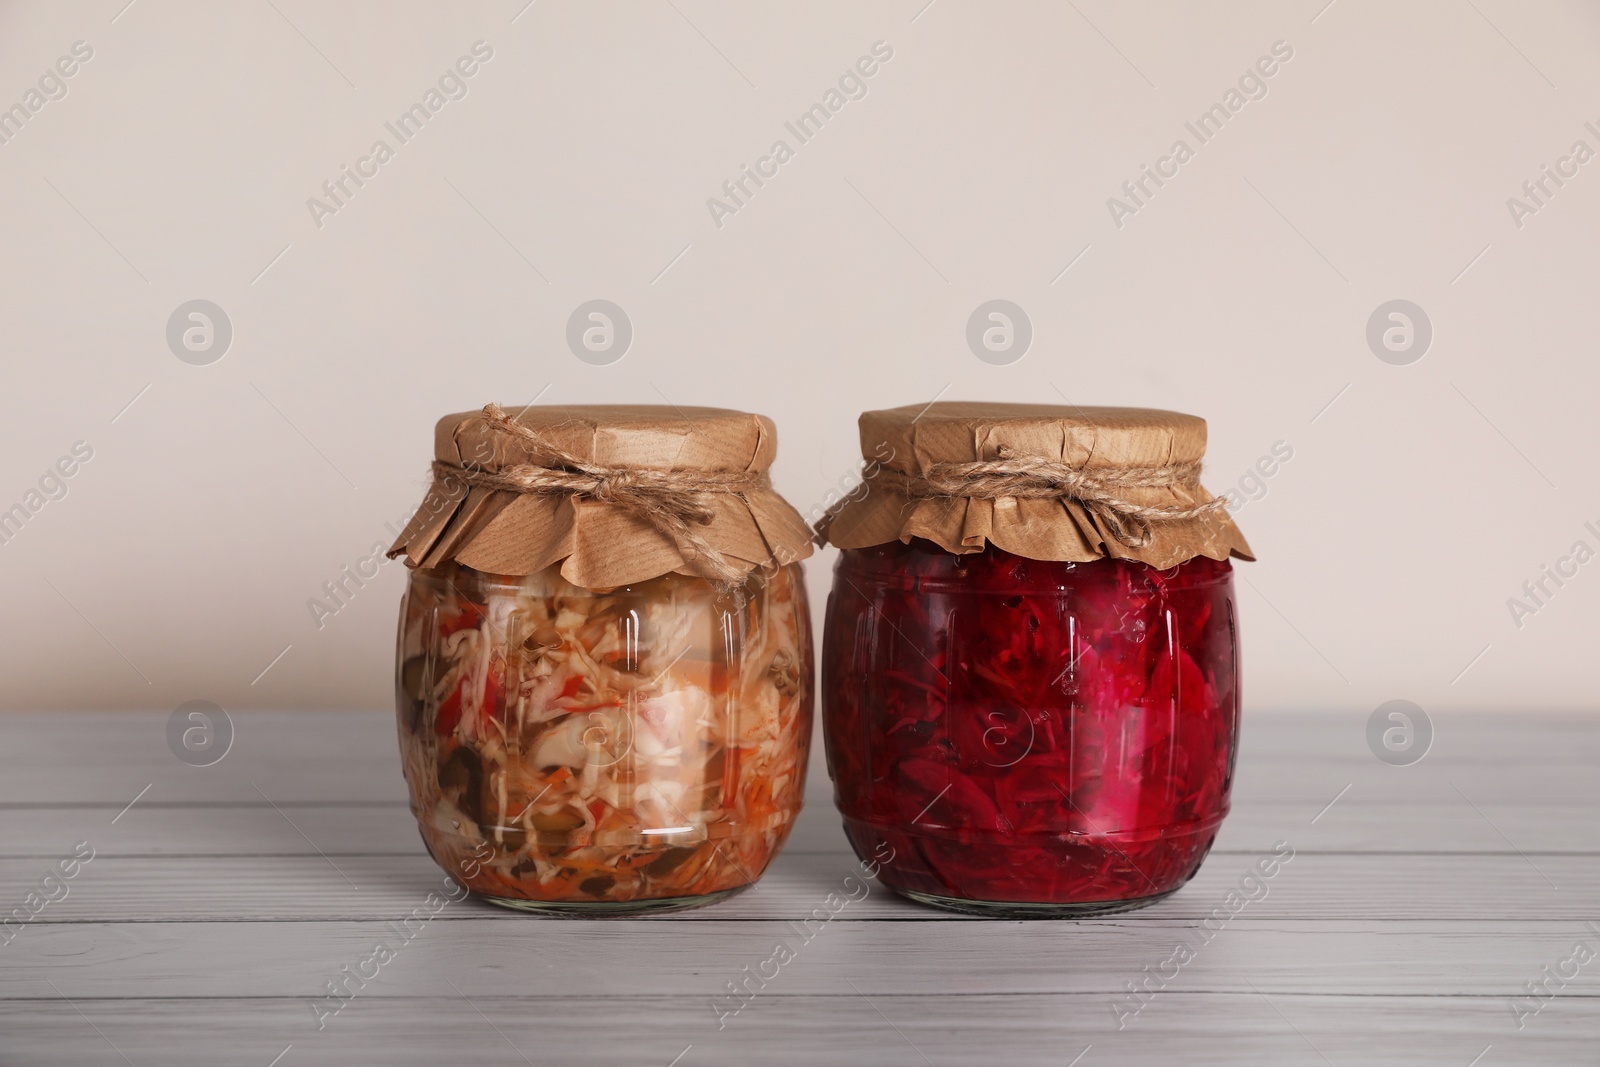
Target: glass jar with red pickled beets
1032 736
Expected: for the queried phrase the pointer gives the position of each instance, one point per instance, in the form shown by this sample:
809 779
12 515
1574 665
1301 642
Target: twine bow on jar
674 502
1101 492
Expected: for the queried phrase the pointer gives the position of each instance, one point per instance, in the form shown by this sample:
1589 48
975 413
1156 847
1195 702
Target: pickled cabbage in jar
618 746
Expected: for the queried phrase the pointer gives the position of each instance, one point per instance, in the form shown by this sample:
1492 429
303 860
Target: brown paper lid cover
912 439
599 544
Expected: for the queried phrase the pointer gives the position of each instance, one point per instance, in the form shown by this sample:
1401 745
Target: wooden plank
637 957
151 829
109 757
1015 1029
1455 886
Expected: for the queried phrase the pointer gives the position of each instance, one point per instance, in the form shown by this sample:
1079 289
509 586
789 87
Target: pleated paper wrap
602 543
905 445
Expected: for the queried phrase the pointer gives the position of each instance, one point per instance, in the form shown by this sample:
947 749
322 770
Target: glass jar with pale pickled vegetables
623 727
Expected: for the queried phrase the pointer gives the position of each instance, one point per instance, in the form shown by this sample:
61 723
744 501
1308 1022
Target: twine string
1102 492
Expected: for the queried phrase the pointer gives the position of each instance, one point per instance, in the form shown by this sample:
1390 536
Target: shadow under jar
587 748
1031 736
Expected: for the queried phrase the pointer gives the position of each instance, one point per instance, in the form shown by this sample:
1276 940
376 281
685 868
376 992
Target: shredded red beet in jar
1025 732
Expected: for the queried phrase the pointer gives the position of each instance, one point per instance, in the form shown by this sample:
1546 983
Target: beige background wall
978 165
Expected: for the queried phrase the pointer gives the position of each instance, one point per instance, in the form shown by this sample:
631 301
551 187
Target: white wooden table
218 906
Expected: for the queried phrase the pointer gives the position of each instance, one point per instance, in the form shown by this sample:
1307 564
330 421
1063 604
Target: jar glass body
1030 737
590 752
